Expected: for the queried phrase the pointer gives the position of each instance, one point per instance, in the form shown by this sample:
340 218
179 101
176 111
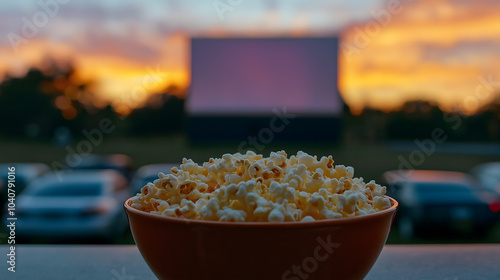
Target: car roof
427 176
109 160
32 169
108 179
80 176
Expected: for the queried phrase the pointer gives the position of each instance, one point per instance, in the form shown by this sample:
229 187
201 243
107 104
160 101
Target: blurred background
97 97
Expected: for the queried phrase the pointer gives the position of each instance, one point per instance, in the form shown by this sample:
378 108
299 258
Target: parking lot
371 161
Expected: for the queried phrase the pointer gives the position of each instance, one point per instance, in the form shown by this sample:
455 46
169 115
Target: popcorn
276 216
307 219
251 188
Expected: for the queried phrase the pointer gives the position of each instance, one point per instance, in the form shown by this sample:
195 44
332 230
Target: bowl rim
325 222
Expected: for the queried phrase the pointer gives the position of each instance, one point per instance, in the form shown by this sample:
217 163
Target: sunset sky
392 51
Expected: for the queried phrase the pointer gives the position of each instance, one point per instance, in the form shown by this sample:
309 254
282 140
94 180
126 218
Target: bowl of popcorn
246 216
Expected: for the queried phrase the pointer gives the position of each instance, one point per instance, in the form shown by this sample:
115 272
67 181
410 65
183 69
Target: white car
25 173
83 205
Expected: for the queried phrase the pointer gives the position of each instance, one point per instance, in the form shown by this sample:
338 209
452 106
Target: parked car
149 173
488 175
3 194
441 200
119 162
24 174
84 205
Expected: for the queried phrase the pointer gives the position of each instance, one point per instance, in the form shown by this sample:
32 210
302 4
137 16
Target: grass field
369 160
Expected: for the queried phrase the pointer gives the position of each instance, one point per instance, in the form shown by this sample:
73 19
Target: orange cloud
432 50
118 78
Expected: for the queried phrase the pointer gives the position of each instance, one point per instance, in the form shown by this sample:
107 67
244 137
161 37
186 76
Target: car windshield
89 189
441 187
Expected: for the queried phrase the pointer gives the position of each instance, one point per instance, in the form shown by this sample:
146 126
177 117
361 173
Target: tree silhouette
42 100
163 113
24 104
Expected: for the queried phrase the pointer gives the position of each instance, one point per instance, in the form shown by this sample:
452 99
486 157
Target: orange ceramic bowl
180 249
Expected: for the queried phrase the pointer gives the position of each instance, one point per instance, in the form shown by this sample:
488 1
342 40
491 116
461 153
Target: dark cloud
126 46
100 13
81 16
